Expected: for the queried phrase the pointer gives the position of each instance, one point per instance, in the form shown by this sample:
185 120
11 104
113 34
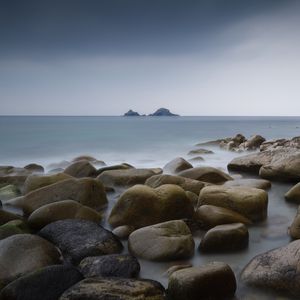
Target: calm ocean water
140 141
151 142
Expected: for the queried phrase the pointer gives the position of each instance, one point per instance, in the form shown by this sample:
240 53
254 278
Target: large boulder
249 202
115 289
78 239
285 166
251 162
126 177
177 165
114 265
161 242
87 191
206 174
141 206
229 237
187 184
48 284
80 169
250 182
208 216
8 192
277 269
24 253
34 182
212 281
294 229
293 195
66 209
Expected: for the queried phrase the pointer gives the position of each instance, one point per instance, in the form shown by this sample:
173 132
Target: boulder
34 168
123 166
6 216
90 159
13 227
24 253
87 191
187 184
285 166
253 142
141 206
114 265
209 216
249 202
212 281
65 209
80 169
123 232
249 182
48 284
115 289
177 165
127 177
277 269
78 239
222 238
250 163
9 192
293 195
162 242
34 182
200 151
206 174
294 229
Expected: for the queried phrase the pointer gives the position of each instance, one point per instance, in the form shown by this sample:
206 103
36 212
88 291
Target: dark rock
9 192
114 265
212 281
24 253
35 168
6 216
13 227
132 113
163 112
115 289
78 239
47 284
223 238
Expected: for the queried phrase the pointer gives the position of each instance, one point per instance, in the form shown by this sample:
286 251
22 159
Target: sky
104 57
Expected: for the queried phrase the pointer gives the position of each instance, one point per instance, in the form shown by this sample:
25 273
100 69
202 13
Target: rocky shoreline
81 230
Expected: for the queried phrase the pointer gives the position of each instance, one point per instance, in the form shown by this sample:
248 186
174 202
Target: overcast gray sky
210 57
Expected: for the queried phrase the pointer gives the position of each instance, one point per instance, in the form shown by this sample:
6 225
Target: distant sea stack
163 112
132 113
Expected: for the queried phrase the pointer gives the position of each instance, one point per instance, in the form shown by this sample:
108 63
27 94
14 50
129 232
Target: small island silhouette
161 112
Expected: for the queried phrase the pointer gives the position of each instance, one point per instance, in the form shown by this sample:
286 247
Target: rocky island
161 112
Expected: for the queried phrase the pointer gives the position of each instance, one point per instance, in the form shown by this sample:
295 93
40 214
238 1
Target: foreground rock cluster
55 246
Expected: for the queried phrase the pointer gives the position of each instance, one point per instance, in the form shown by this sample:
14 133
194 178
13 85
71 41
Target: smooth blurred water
142 141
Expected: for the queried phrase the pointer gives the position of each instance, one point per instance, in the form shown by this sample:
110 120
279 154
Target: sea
152 142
